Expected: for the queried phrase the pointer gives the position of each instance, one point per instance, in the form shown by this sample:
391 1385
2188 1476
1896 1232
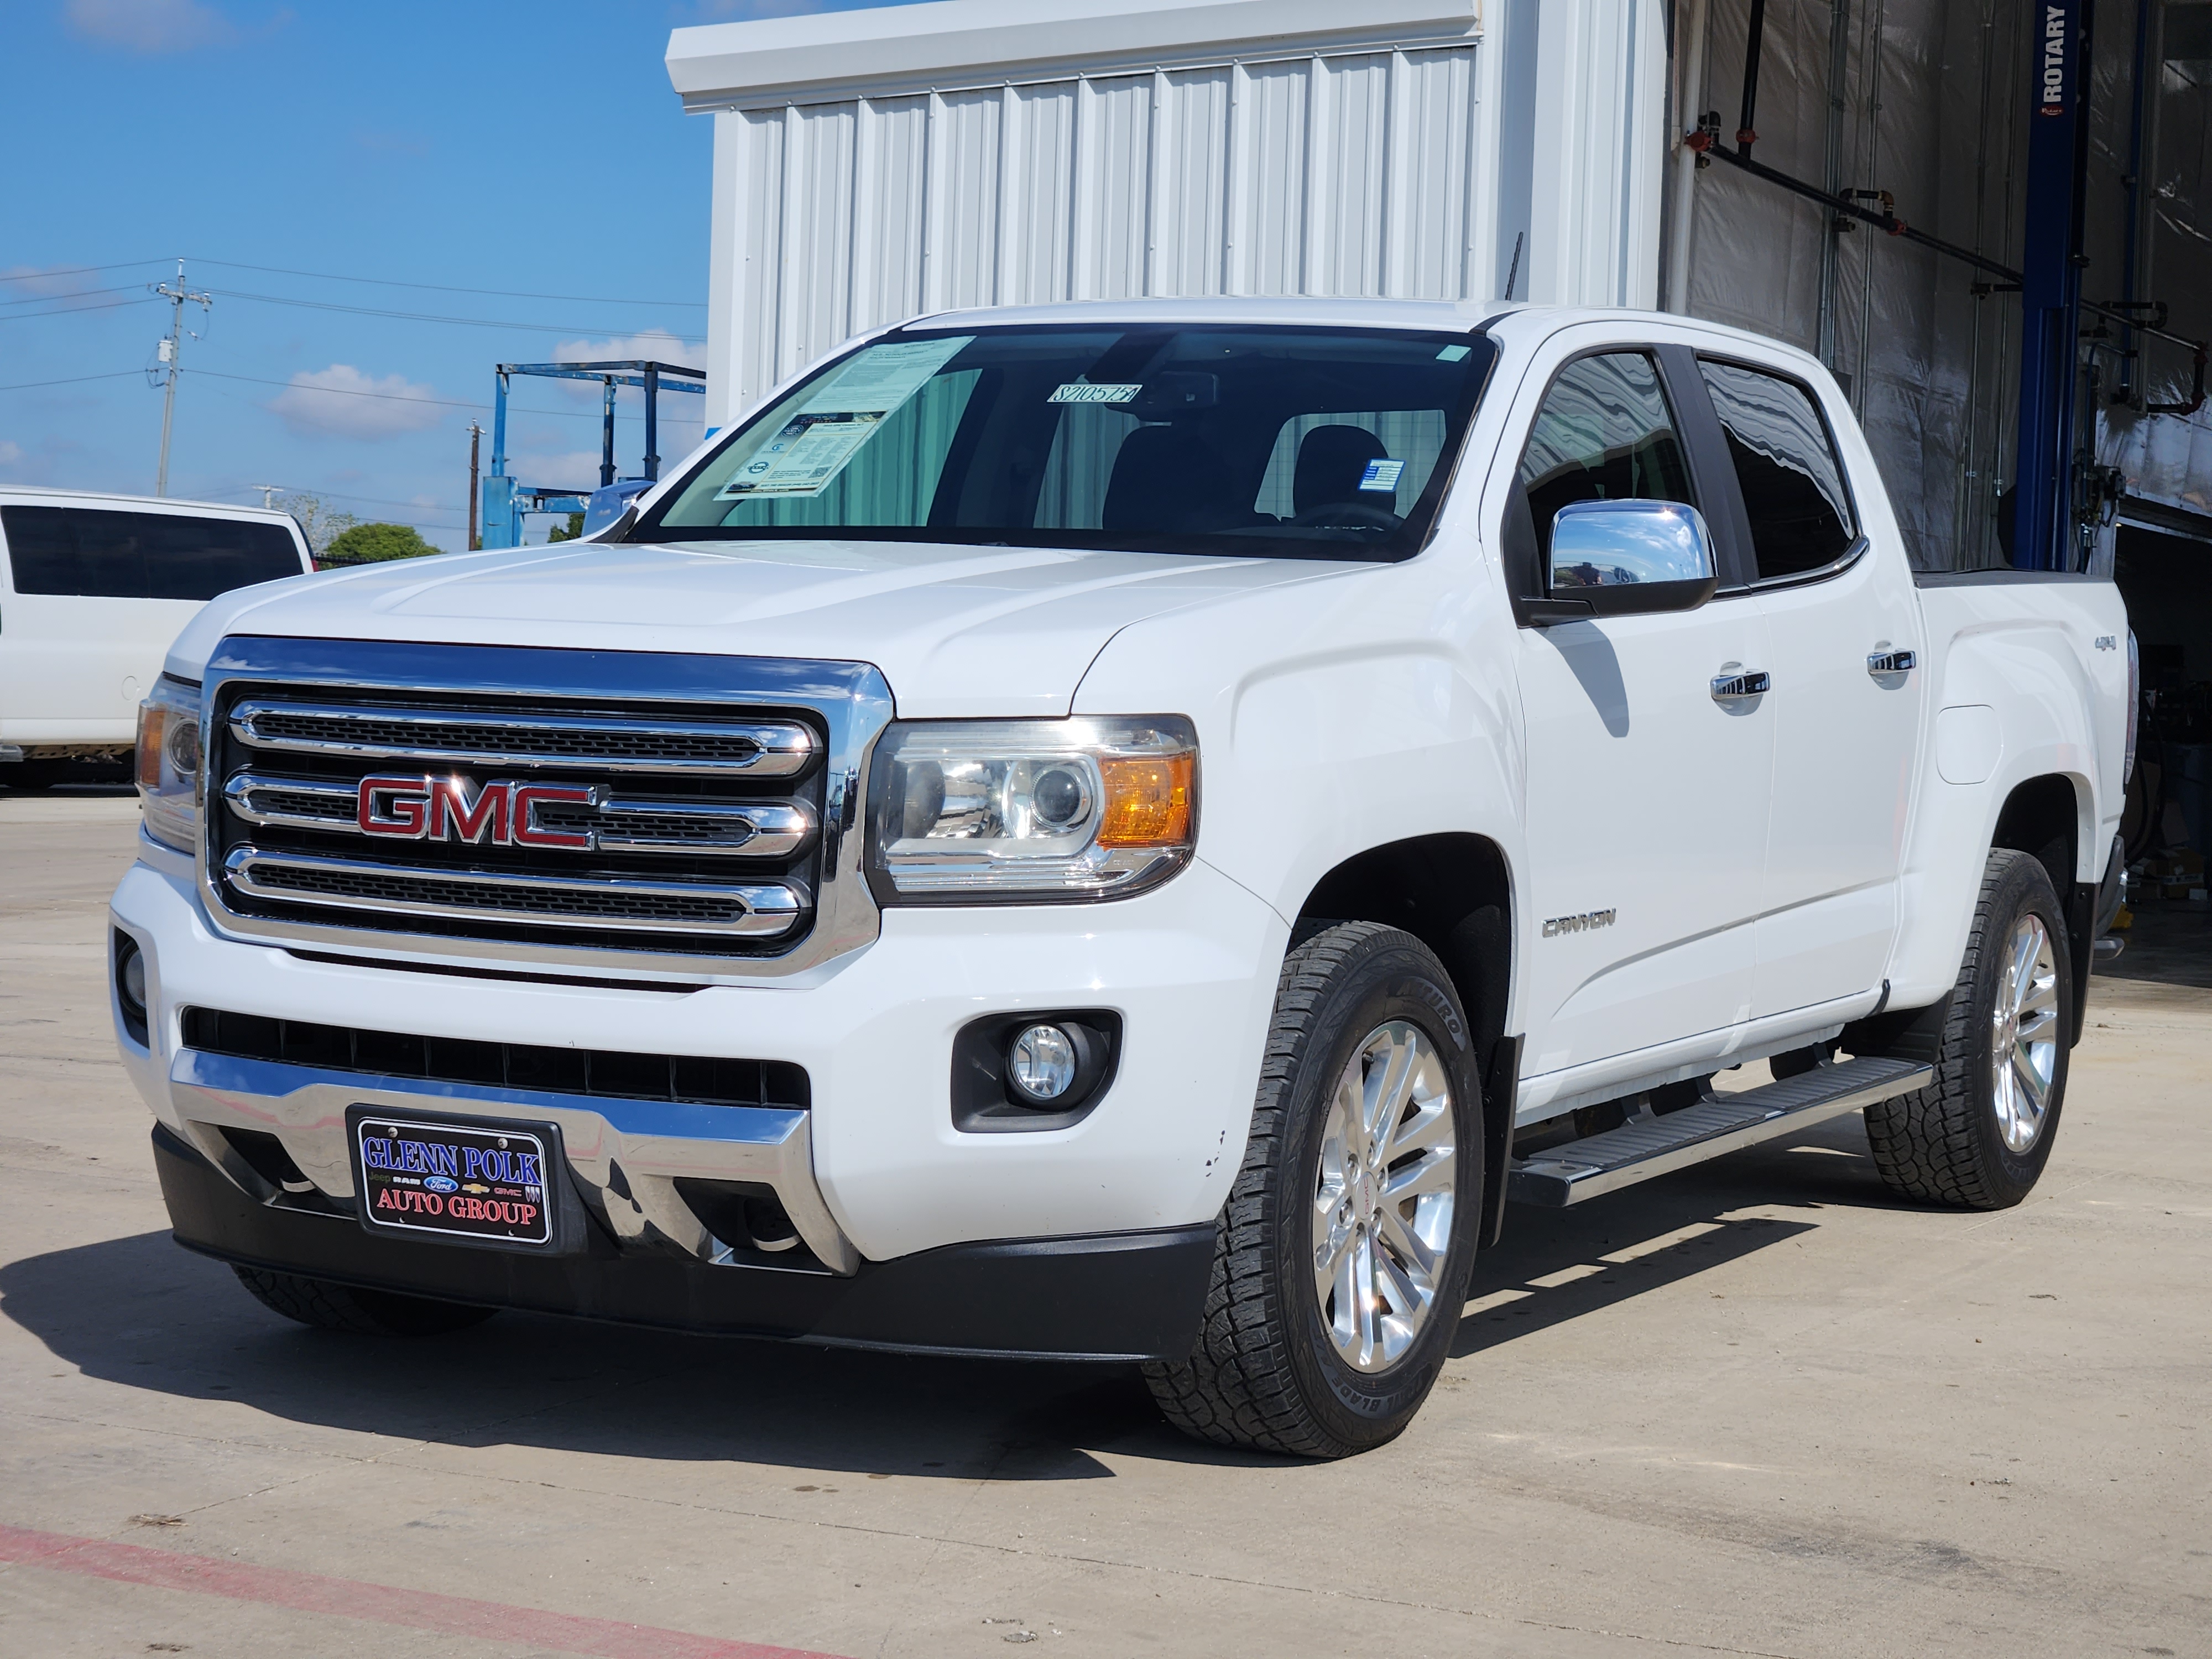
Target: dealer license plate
484 1183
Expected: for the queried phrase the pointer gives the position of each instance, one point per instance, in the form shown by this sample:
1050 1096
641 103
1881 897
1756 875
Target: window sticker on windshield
1452 354
1382 475
818 442
1082 392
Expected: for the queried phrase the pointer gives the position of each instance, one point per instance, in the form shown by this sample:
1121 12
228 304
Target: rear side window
1786 463
100 553
1604 433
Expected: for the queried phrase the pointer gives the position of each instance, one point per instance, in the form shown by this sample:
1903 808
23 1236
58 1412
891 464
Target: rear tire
1345 1247
1978 1137
332 1307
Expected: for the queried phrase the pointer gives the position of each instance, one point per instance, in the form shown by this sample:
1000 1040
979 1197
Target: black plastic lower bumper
1110 1296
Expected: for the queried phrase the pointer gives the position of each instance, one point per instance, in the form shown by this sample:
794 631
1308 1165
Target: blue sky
530 150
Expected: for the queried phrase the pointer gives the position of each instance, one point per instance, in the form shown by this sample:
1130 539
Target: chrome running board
1559 1175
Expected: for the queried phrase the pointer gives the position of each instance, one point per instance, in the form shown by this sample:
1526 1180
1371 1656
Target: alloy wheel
1383 1196
2024 1035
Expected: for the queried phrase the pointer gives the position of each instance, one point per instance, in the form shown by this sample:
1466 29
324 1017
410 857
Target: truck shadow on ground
141 1313
1553 1267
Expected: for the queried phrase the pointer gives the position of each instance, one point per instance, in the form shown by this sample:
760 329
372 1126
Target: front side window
1603 433
1787 466
110 553
1264 442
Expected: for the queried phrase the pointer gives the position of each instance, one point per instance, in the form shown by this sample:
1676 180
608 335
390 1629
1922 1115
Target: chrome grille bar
621 903
386 732
526 748
757 829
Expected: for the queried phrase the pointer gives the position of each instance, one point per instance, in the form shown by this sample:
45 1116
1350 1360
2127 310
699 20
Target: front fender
1333 717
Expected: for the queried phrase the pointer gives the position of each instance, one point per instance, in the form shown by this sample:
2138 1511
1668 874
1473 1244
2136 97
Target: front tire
1978 1137
333 1307
1346 1242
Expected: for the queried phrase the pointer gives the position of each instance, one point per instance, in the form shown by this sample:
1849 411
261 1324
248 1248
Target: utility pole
171 349
476 530
268 495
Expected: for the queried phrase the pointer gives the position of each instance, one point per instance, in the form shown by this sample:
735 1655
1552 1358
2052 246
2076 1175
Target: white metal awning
950 44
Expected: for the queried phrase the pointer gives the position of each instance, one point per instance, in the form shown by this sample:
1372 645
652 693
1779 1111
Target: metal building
869 166
1949 201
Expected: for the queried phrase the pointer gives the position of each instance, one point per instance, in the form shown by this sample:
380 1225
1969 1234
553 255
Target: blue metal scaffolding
505 501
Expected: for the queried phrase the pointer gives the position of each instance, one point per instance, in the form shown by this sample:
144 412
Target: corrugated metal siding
1335 174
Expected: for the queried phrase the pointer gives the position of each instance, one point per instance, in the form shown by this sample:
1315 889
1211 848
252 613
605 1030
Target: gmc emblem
503 812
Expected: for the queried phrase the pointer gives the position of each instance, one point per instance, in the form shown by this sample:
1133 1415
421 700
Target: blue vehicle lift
2044 536
505 501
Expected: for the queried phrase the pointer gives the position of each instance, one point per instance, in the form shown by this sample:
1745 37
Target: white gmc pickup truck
1121 830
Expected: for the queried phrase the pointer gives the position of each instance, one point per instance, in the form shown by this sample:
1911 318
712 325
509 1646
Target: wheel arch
2052 819
1453 891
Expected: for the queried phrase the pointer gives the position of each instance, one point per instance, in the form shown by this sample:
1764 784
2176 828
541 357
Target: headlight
169 762
969 811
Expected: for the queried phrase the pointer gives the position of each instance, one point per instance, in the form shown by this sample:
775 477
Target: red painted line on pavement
384 1604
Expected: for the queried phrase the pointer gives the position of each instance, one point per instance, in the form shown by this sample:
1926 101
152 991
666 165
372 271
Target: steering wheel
1347 515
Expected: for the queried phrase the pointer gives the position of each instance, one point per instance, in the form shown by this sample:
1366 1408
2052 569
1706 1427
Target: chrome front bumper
627 1155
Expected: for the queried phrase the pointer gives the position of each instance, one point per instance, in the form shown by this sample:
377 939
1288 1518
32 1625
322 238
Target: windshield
1273 442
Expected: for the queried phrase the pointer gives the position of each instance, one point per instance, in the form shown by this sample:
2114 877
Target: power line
73 270
430 317
443 287
104 305
73 293
350 391
386 500
71 380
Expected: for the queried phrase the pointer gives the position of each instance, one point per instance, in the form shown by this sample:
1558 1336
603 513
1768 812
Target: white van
92 590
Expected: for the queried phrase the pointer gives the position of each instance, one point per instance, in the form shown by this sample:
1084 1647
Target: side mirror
1625 557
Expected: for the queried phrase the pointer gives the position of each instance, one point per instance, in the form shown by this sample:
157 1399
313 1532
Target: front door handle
1891 662
1741 683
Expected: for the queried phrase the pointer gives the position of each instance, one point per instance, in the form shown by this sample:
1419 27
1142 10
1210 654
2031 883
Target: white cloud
9 452
342 400
655 344
149 25
578 468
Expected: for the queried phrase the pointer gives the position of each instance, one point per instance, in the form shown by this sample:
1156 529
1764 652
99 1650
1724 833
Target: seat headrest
1332 460
1167 482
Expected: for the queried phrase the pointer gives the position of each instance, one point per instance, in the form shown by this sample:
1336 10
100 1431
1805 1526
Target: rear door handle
1892 662
1743 682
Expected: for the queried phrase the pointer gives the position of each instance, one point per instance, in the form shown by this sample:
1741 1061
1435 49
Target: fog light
131 986
1040 1063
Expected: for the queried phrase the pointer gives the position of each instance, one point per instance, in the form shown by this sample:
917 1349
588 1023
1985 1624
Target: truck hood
955 630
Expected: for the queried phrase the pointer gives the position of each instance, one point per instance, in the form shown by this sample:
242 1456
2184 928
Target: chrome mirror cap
1618 557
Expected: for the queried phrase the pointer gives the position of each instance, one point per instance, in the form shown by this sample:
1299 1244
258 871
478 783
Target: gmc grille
659 827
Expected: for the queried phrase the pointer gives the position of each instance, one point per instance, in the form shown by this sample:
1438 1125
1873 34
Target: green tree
575 529
367 543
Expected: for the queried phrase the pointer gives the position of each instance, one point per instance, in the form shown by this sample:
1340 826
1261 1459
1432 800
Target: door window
1604 433
1787 466
101 553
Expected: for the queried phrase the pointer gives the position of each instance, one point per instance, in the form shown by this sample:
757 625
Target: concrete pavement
1755 1408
